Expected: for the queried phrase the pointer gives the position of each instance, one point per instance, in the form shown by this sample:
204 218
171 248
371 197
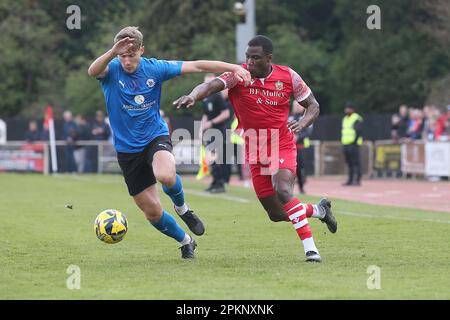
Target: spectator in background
70 136
100 129
429 131
80 153
33 134
431 114
215 115
445 135
441 123
400 124
395 121
45 134
404 121
238 149
351 139
416 124
228 166
302 142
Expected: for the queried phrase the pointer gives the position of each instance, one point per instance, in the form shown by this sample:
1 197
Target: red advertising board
22 158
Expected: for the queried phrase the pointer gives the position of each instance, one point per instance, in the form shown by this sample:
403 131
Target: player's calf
150 206
277 216
274 208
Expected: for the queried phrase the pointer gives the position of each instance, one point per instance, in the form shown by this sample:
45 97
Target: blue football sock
175 192
168 225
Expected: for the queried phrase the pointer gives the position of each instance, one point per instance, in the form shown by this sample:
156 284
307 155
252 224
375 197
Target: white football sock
318 212
187 239
182 210
309 245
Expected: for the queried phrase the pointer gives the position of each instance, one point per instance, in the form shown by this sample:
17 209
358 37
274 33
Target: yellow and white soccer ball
111 226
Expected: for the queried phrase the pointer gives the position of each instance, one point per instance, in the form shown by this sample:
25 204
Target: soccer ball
111 226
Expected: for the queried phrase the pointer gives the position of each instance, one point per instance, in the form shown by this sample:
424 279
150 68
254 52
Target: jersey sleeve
229 79
300 89
112 69
169 69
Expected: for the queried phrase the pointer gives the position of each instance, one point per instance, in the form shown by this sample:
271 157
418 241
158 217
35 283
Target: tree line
326 41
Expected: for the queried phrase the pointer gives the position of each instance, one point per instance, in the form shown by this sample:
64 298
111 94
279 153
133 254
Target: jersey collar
268 76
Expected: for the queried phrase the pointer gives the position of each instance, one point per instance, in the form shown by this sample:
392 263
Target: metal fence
378 159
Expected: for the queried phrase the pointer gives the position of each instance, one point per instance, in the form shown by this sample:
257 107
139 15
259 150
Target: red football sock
309 209
298 213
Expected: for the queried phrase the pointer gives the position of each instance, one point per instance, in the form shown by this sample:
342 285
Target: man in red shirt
262 109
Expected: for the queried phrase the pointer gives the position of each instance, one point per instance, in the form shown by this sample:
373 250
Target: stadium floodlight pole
244 31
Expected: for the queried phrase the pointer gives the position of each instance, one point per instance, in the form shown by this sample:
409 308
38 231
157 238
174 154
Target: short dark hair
262 41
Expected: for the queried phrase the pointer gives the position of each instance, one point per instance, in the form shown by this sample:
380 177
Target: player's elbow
91 72
316 107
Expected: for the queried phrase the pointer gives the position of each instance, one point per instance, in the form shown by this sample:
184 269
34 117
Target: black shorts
137 167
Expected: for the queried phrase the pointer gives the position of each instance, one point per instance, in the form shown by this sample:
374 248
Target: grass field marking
208 195
365 215
104 179
92 178
191 191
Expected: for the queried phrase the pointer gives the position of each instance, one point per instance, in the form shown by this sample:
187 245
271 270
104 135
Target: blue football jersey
133 101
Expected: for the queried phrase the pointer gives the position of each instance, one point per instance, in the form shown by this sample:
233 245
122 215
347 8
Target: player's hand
123 46
184 101
294 125
243 75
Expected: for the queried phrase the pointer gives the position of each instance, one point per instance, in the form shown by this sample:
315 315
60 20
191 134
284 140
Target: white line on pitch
365 215
209 195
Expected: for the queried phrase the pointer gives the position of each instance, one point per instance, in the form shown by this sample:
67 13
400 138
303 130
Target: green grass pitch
243 255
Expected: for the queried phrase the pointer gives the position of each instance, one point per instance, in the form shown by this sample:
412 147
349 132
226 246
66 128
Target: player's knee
284 193
167 178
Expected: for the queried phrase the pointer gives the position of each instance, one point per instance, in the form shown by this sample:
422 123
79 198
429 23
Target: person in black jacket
302 142
33 134
215 116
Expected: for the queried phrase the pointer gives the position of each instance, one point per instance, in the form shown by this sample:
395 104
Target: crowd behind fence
428 124
380 159
419 146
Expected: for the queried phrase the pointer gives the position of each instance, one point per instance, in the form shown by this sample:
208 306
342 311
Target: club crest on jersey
279 85
150 83
139 99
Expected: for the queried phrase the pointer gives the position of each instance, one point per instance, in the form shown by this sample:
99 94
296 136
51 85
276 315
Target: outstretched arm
312 111
216 66
199 93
